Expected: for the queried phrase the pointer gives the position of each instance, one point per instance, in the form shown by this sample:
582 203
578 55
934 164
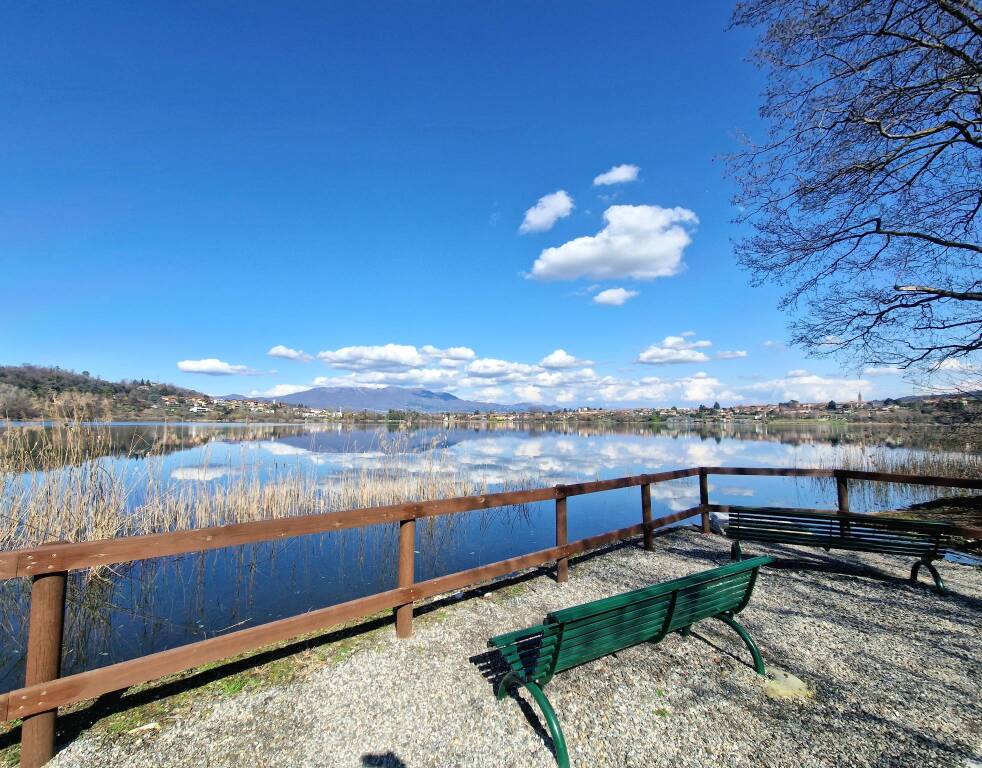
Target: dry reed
90 498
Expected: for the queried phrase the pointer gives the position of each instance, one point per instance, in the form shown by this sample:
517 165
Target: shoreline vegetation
74 482
30 393
53 487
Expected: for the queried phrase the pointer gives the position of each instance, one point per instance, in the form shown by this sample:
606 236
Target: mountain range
389 398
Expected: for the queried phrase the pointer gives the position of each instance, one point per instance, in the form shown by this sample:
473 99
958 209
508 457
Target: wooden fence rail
48 566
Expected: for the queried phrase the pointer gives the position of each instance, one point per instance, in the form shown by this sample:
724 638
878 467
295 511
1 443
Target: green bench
923 539
575 636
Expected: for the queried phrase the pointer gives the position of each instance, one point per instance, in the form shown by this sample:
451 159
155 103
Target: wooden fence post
649 534
704 498
407 562
842 491
44 639
562 564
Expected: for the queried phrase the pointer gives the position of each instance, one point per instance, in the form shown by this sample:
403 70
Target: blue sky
409 193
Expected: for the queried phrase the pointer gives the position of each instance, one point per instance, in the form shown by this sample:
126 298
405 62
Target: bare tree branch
962 295
863 201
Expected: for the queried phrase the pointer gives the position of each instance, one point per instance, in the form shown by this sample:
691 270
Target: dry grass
903 461
88 498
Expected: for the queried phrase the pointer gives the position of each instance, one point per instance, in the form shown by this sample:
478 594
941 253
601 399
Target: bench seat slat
842 543
575 636
625 638
709 607
520 634
584 633
833 525
746 521
939 526
518 654
574 630
667 587
925 540
588 635
733 587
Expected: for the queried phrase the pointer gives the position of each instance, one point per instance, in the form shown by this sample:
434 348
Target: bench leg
938 581
745 636
558 740
735 552
502 690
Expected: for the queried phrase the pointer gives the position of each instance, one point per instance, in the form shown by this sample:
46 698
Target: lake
134 478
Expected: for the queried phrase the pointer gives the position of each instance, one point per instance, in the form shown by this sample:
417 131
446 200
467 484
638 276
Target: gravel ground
895 673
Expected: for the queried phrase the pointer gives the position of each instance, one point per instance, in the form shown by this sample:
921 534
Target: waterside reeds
52 490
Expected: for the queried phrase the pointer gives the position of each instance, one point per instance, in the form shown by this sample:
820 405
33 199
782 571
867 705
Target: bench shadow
73 723
791 559
694 634
493 668
387 760
492 665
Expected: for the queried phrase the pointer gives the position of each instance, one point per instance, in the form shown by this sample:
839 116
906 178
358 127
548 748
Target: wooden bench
923 539
575 636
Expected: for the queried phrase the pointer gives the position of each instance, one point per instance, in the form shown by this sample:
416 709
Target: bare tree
864 199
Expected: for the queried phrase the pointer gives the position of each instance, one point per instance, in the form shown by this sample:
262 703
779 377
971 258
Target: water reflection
149 606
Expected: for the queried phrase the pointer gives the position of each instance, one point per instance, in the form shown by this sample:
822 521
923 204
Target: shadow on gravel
388 760
72 724
493 668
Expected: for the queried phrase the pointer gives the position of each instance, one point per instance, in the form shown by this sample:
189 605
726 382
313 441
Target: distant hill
388 399
30 391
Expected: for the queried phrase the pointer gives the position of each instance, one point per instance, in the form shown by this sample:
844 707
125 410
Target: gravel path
895 673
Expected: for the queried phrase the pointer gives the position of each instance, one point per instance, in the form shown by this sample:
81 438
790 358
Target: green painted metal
745 636
666 587
938 581
558 739
575 636
512 678
923 539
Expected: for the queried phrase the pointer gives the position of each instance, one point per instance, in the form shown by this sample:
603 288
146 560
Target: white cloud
288 354
489 393
562 359
808 387
642 242
395 357
493 368
954 375
280 390
528 393
771 344
675 349
886 370
212 366
550 209
450 353
614 297
734 354
698 388
202 474
431 378
560 378
386 356
617 175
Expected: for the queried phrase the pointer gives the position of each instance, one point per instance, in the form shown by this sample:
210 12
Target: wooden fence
48 566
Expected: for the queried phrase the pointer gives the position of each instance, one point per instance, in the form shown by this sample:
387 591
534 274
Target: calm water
146 607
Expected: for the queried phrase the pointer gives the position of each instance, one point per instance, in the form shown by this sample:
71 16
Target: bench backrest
868 533
596 629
